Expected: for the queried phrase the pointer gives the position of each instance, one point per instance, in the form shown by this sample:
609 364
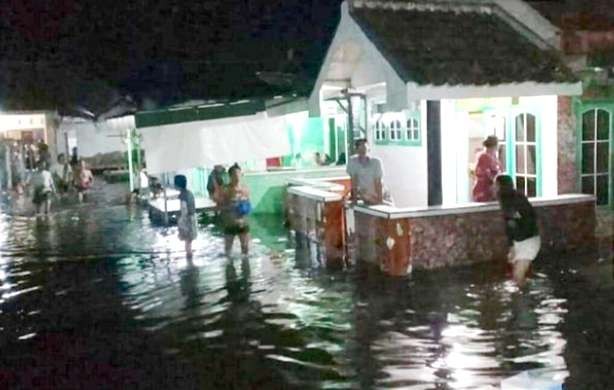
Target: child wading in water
520 226
83 180
43 185
234 201
187 218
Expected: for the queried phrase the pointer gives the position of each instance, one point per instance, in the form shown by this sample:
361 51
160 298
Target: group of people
366 173
492 184
232 200
59 178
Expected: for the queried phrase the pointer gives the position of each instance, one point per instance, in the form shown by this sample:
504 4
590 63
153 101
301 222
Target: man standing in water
366 174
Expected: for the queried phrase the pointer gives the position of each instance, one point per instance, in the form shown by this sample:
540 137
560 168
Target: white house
426 81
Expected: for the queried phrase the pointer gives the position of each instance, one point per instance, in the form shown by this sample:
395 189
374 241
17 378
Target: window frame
582 109
393 132
514 144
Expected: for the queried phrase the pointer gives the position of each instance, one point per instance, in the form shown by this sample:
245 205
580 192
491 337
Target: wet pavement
97 297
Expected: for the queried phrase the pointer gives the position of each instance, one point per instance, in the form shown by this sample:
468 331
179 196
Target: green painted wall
267 190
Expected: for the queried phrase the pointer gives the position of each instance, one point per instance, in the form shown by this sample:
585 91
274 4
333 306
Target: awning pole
129 143
165 207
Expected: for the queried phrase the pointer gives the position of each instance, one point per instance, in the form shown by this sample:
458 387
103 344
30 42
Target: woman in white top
43 185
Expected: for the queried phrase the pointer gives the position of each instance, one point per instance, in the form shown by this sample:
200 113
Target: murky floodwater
96 297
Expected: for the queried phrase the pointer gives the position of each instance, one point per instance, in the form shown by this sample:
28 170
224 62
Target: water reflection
85 286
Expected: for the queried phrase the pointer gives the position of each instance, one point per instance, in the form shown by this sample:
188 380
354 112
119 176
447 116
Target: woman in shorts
234 201
520 226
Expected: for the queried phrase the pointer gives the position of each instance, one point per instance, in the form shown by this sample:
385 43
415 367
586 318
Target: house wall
368 69
567 147
405 168
92 139
268 189
455 128
459 133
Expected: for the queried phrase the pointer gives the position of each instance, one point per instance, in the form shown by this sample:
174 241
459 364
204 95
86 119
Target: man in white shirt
366 174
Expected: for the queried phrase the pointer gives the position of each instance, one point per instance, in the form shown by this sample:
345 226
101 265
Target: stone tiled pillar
567 147
384 242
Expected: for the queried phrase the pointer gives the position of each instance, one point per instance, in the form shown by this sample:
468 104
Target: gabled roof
437 43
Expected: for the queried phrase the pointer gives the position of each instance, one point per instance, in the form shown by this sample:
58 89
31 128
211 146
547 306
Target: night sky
58 54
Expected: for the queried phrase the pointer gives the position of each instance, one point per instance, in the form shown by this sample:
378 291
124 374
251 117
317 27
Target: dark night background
55 54
90 53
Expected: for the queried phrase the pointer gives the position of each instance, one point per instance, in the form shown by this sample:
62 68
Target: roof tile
444 46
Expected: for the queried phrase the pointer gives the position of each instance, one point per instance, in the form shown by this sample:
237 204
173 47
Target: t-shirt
44 180
520 217
364 175
187 197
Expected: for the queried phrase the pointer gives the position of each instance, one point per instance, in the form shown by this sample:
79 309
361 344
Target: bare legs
521 267
229 240
188 248
244 239
46 204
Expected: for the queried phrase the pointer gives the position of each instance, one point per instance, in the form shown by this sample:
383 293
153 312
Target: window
526 154
377 132
595 150
412 132
395 130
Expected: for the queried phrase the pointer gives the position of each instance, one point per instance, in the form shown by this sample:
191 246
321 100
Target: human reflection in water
238 288
190 285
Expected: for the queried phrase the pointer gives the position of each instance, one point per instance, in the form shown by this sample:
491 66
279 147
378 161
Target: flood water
97 297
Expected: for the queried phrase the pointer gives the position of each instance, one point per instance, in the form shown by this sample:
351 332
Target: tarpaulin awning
188 145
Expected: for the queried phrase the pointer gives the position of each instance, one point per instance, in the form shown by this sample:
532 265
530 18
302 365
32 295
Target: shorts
236 229
526 249
40 196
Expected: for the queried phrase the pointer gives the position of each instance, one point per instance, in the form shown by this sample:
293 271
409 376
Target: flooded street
97 297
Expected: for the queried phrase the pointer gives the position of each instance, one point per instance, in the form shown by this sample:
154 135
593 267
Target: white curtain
221 141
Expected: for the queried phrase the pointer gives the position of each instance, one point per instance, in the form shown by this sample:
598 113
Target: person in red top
486 169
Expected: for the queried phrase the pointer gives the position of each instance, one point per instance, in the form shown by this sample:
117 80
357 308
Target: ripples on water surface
99 298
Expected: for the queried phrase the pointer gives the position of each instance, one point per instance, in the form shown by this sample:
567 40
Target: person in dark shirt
520 227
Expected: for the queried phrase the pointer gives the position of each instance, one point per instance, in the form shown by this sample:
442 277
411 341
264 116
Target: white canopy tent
187 145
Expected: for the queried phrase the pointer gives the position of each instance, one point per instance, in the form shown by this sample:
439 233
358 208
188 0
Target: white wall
92 139
405 169
455 127
354 57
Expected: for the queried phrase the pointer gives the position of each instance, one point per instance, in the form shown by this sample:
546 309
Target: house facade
427 81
